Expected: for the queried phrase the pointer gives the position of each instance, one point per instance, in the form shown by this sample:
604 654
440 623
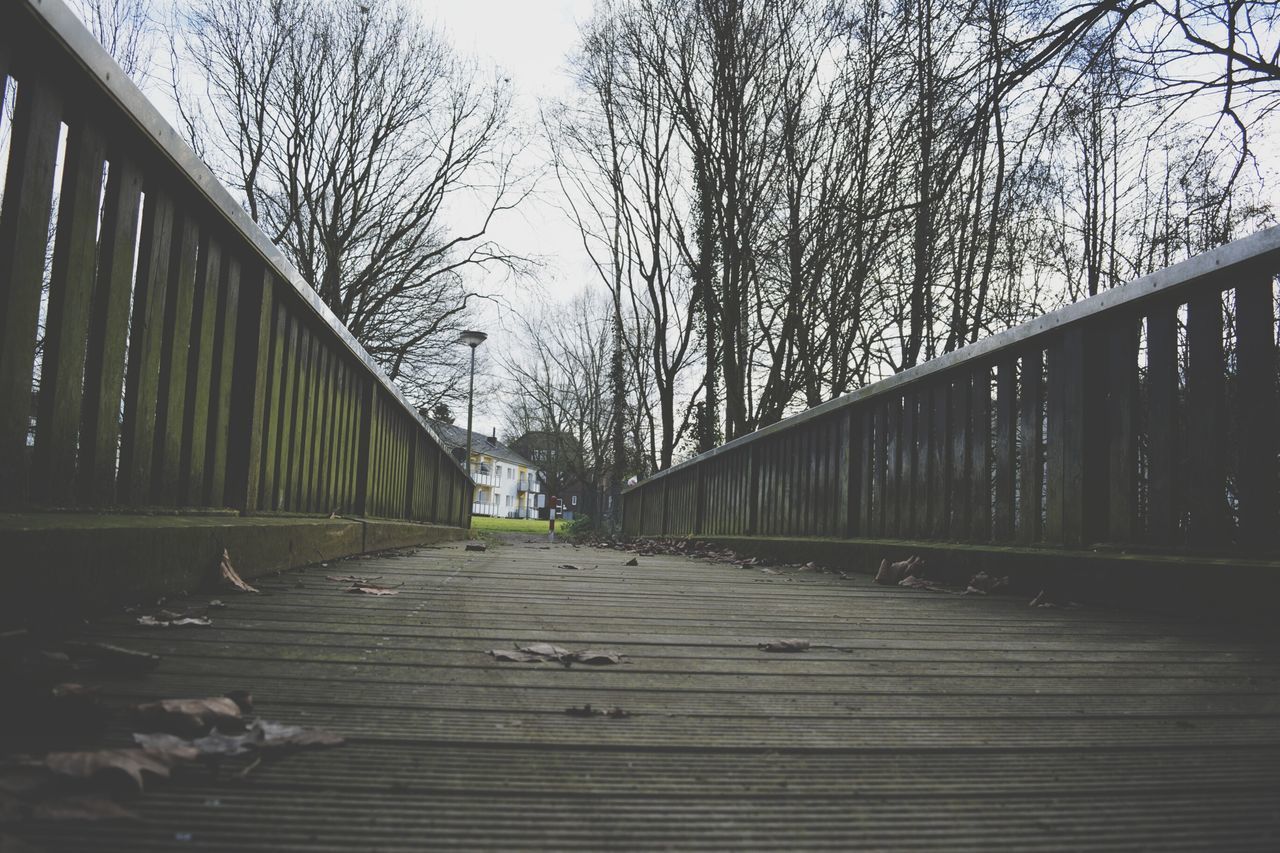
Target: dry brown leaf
369 589
784 646
587 711
269 735
190 717
632 562
569 566
230 576
894 573
166 746
131 762
513 656
355 579
81 808
154 622
595 657
545 650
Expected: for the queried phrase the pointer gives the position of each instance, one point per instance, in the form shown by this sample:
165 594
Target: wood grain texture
917 720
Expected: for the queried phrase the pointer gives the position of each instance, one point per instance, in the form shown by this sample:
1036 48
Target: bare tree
355 136
124 28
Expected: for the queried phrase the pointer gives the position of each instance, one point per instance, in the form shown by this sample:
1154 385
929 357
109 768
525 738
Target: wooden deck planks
932 721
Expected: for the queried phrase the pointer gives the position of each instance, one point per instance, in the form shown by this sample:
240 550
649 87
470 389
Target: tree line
788 199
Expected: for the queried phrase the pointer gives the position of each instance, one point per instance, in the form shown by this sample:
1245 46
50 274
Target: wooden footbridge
170 391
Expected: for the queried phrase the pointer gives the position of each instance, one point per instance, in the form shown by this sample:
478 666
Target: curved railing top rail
1261 249
63 24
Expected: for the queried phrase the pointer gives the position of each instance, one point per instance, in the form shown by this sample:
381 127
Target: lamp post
472 339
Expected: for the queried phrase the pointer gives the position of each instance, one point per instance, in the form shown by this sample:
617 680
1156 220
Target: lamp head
472 339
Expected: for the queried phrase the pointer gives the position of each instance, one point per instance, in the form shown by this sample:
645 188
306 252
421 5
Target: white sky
530 40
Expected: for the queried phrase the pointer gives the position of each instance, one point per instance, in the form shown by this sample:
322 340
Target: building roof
455 437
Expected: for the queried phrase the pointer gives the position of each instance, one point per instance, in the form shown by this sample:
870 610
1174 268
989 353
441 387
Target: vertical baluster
980 455
1006 449
200 396
1122 429
939 462
67 322
1255 401
24 233
1162 424
108 333
958 483
1030 469
146 341
1207 499
172 390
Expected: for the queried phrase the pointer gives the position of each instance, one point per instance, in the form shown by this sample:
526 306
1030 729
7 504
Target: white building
507 484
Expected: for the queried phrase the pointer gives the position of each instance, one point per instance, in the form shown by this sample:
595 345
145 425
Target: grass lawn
509 525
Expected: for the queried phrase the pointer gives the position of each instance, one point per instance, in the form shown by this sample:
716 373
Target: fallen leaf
784 646
593 657
588 711
632 562
894 573
569 566
230 576
81 808
153 622
476 546
368 589
513 656
355 579
242 698
217 602
984 583
190 717
216 743
167 746
545 650
131 762
277 735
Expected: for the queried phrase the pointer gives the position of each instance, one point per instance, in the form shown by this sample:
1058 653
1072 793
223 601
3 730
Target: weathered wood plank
171 398
67 322
980 456
108 333
201 402
1209 517
146 342
24 233
1123 404
1030 466
959 484
223 386
1255 412
939 462
1163 500
1006 450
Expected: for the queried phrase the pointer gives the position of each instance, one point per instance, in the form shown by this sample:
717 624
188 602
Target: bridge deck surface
918 720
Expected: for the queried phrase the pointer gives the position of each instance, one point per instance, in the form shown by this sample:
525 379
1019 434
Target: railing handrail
1259 248
66 28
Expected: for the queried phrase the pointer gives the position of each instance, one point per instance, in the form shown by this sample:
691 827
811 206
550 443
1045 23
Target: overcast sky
530 41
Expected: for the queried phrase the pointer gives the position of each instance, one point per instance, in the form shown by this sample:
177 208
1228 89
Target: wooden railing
158 350
1145 415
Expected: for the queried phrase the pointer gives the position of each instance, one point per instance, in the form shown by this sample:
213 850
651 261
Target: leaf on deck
372 589
632 562
791 645
131 762
587 711
190 716
230 576
178 622
595 657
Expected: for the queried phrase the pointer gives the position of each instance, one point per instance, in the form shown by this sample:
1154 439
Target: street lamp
472 339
